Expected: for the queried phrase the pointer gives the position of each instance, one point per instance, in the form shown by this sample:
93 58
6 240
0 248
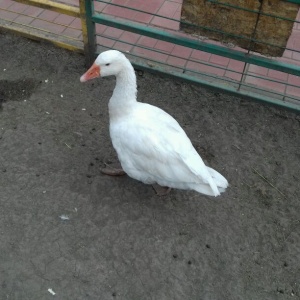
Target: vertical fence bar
88 30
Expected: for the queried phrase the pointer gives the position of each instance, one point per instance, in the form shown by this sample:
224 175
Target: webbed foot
161 190
111 171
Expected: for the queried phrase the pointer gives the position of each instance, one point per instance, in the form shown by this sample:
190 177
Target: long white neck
124 95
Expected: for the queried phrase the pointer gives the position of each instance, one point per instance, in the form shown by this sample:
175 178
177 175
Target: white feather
151 145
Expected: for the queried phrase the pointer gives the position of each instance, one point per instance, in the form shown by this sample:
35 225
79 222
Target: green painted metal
220 87
195 44
227 34
241 37
193 73
224 68
214 2
293 1
88 30
211 81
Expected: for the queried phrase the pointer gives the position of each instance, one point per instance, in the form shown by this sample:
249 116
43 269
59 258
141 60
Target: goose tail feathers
217 184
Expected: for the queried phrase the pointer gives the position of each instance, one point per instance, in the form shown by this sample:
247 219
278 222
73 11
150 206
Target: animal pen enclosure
173 38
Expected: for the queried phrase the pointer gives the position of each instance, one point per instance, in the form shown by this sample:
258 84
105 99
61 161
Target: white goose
151 145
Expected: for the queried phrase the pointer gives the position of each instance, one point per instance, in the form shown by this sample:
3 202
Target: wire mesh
245 77
228 66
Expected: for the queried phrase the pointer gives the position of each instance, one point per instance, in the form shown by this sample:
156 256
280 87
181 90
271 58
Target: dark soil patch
16 90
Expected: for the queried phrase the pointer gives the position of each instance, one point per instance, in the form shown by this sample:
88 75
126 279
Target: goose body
151 145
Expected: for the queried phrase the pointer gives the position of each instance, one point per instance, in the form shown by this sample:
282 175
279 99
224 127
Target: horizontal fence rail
242 72
194 44
53 6
43 33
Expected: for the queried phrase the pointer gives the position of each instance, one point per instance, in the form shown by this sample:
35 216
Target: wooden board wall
226 20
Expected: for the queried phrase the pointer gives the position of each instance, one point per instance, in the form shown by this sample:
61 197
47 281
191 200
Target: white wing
151 141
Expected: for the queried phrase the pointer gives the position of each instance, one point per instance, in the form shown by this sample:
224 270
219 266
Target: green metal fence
274 80
223 83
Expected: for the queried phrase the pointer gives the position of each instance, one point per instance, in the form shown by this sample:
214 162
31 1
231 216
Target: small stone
64 217
51 292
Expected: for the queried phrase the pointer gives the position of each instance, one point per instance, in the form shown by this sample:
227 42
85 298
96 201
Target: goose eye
107 64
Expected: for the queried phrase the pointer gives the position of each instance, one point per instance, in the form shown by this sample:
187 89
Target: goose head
108 63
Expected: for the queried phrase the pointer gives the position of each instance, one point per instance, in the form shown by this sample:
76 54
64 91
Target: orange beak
91 73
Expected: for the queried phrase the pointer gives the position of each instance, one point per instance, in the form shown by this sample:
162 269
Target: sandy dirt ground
121 241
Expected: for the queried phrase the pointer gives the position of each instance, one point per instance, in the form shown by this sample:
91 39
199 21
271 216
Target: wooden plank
88 30
54 6
255 25
39 35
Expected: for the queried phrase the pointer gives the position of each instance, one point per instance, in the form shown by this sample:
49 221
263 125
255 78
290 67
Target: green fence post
88 30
